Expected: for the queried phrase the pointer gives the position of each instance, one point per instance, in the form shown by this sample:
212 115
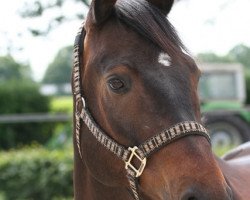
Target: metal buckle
128 163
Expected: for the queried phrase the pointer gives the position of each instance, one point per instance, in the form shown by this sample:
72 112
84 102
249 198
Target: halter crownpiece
126 154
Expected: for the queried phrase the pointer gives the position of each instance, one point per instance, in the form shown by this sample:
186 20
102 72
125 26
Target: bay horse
137 127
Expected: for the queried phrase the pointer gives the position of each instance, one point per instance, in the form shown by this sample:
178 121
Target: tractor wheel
227 131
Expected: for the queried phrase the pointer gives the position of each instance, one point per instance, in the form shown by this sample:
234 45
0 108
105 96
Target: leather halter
140 152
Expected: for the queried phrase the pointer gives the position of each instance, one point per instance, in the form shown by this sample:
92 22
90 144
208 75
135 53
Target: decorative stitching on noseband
126 154
169 135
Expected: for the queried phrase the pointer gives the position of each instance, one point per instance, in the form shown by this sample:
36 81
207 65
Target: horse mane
150 22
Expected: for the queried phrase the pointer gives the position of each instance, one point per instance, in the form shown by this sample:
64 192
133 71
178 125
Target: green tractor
222 94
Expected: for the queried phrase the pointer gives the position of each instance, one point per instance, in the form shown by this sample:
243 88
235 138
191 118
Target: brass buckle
128 163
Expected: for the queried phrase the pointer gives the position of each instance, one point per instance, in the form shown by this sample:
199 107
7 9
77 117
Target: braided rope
132 182
77 86
103 138
169 135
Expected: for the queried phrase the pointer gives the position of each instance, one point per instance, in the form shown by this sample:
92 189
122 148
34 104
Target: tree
241 54
19 94
213 58
59 71
39 8
11 70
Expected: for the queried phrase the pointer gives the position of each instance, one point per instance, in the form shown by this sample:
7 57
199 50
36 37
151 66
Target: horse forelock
152 24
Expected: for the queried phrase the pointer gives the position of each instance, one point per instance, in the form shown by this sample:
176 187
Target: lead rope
126 154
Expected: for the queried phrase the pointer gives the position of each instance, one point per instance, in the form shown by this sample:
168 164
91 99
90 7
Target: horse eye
116 84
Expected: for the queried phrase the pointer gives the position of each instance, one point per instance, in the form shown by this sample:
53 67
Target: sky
204 26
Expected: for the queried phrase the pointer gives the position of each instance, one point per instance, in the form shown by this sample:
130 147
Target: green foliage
213 58
222 151
62 137
36 173
241 54
37 8
59 71
23 97
11 70
63 104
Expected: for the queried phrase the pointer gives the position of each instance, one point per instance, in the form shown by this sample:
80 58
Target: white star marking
164 59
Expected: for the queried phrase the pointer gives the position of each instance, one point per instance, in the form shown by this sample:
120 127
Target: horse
138 133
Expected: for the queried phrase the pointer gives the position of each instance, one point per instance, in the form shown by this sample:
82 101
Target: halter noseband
126 154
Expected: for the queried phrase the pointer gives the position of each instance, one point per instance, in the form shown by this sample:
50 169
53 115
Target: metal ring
78 102
83 103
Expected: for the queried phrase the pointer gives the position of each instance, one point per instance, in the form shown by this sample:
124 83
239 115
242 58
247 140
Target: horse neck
230 173
87 187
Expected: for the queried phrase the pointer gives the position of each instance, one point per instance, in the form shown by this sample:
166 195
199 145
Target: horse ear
101 9
164 5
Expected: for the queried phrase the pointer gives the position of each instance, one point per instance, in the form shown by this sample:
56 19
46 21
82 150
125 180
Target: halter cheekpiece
141 152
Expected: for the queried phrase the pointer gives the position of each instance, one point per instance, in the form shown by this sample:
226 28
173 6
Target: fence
41 117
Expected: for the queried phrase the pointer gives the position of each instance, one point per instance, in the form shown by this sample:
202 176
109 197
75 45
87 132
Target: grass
2 197
222 151
63 104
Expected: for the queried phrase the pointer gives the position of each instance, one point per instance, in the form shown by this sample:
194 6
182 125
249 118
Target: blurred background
36 38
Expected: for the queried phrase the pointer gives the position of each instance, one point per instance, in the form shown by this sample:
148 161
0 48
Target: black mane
150 22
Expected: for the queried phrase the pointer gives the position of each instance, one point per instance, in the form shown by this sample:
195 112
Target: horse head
138 80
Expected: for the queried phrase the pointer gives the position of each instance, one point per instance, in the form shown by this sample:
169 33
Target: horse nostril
189 195
192 198
195 193
189 198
